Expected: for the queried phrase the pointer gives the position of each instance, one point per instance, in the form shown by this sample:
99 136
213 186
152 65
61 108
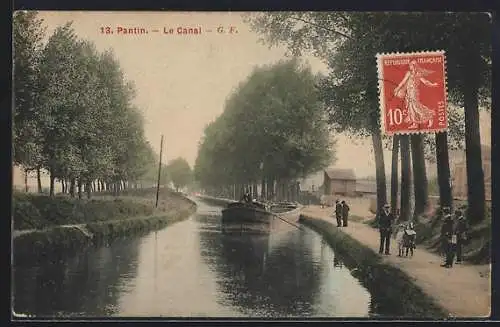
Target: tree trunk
394 174
88 188
270 188
39 180
420 185
51 187
263 188
72 187
474 162
379 169
405 178
79 188
26 188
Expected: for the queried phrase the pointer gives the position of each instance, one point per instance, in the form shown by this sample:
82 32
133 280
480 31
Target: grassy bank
33 211
61 239
102 220
393 292
477 249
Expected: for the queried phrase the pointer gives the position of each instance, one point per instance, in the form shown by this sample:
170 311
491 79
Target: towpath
464 290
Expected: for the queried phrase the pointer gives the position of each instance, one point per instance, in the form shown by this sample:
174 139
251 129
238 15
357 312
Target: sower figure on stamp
338 213
409 89
385 220
461 231
345 213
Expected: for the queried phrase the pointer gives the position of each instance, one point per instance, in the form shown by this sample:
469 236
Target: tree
394 174
420 186
471 53
69 99
179 172
405 177
272 131
58 104
466 38
350 91
28 33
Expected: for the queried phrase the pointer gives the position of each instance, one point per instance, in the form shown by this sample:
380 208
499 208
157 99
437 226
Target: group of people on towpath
453 234
341 213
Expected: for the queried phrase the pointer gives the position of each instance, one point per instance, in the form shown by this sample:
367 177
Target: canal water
191 269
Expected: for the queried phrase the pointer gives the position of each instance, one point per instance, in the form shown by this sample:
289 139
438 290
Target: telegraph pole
159 172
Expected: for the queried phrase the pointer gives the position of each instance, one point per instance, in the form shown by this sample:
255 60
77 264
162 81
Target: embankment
43 223
393 292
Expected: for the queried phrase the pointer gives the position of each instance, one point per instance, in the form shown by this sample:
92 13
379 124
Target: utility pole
159 172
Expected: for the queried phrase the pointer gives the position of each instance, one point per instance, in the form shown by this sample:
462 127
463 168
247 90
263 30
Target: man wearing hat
449 240
461 231
345 213
338 213
385 220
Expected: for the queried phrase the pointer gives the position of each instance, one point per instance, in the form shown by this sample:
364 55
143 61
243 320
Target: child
409 239
399 239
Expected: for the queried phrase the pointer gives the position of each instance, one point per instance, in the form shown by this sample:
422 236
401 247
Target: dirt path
464 290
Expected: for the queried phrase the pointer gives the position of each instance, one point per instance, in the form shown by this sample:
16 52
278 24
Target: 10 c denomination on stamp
412 94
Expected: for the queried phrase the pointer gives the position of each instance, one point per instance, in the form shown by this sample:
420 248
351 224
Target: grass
393 292
105 218
36 245
33 211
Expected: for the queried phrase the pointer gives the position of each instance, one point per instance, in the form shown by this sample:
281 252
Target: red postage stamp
412 90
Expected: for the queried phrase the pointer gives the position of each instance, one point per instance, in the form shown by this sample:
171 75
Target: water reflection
86 283
191 269
280 274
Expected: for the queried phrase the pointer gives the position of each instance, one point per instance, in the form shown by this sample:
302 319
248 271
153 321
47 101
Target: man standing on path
345 213
449 240
338 213
442 214
385 220
461 231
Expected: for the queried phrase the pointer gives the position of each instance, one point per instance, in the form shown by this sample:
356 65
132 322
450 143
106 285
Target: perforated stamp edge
380 78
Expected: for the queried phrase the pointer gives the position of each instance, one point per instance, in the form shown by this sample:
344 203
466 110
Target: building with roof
339 182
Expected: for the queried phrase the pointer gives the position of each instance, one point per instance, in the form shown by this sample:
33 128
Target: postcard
251 165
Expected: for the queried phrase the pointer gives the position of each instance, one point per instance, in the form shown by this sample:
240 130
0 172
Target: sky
182 81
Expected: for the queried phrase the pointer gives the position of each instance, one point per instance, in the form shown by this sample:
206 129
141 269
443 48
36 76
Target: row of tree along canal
347 42
273 131
74 115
